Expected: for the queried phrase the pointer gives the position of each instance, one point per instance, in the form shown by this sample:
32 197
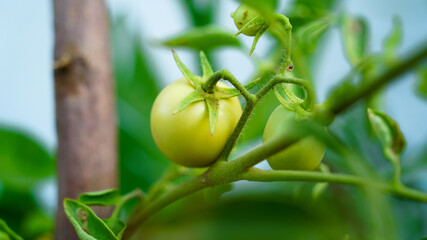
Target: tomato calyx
212 96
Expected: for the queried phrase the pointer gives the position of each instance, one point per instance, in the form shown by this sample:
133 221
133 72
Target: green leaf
309 35
23 160
107 197
392 42
87 225
422 81
355 33
204 38
187 73
137 86
4 236
213 109
116 225
387 130
212 195
6 233
206 66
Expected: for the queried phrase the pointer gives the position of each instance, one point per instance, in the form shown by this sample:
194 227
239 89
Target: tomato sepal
224 93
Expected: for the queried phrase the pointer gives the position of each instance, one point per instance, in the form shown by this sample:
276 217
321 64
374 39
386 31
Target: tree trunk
85 115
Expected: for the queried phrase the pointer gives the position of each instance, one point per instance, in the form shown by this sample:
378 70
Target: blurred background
143 65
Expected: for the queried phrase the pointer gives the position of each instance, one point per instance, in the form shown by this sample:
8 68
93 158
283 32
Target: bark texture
85 114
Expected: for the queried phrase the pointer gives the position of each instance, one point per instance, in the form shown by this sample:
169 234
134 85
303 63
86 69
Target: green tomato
306 154
242 16
185 137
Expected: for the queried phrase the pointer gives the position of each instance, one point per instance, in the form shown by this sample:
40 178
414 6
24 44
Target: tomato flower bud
243 15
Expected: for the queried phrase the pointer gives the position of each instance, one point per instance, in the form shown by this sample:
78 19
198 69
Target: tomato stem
282 30
211 82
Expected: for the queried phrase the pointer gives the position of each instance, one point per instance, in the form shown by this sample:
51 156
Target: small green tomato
305 155
184 137
242 16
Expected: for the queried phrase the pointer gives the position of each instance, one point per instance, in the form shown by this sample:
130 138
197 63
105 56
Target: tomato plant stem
281 28
372 85
209 85
259 175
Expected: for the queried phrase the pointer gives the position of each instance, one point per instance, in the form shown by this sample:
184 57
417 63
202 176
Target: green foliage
6 233
23 160
204 38
387 131
137 87
107 197
392 42
88 226
355 34
24 164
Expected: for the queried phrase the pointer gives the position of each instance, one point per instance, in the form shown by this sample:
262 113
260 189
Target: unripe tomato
242 16
185 137
306 154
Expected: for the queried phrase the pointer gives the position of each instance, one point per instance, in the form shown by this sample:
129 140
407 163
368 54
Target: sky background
27 41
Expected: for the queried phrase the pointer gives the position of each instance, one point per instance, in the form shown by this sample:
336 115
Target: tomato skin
242 16
306 154
185 137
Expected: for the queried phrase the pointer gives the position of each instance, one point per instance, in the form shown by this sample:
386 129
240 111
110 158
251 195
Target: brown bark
85 115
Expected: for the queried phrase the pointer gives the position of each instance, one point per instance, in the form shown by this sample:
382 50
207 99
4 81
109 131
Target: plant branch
258 175
281 28
378 82
211 82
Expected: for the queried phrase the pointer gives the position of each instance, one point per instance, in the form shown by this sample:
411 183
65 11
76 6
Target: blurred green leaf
422 81
387 130
261 216
307 37
141 162
355 34
107 197
201 14
4 236
23 161
88 226
7 232
35 224
392 41
303 12
204 38
212 195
